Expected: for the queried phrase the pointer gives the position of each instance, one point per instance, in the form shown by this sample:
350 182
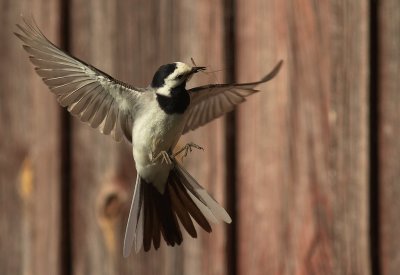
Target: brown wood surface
389 132
129 40
30 181
303 143
302 152
200 35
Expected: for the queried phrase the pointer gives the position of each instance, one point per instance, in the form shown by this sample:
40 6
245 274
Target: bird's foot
164 156
187 149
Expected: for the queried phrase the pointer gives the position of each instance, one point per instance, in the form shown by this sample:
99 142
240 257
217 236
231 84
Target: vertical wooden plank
389 132
303 142
30 151
130 40
200 35
118 38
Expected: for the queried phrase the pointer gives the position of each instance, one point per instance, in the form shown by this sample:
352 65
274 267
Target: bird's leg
165 157
187 148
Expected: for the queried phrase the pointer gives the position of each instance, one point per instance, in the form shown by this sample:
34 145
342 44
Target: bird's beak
197 69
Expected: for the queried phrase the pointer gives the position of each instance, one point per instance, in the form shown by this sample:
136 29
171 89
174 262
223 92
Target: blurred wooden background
309 169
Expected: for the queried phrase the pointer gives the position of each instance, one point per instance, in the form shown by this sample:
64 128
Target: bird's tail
154 214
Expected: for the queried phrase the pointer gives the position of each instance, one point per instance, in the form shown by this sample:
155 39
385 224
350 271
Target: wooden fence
309 169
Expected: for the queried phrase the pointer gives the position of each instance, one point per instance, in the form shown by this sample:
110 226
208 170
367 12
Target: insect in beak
197 69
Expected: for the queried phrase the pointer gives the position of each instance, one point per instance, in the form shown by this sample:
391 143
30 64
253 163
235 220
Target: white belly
155 131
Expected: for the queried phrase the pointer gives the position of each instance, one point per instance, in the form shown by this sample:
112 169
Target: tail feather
182 214
148 219
169 225
156 227
133 219
154 214
139 229
189 206
199 192
203 208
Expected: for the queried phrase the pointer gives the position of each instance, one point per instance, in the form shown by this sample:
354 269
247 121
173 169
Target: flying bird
152 119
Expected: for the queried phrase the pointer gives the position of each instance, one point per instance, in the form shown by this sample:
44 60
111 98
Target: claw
165 157
187 149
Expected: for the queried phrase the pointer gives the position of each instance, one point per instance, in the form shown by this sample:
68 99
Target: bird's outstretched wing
212 101
92 95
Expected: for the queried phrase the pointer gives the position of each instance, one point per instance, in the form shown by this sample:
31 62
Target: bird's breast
155 131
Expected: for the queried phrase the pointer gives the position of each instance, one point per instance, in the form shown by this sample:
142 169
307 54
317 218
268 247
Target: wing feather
212 101
92 95
109 120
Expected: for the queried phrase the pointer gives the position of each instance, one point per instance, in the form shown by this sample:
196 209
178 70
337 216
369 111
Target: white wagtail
152 119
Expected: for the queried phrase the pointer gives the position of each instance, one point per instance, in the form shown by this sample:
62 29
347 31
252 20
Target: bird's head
170 76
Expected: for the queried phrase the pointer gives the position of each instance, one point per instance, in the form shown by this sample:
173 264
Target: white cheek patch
164 90
172 77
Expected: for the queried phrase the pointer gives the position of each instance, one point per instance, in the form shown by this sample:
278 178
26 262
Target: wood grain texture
130 40
200 35
389 132
303 142
30 180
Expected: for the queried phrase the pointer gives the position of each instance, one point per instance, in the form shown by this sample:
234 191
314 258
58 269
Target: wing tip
273 73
